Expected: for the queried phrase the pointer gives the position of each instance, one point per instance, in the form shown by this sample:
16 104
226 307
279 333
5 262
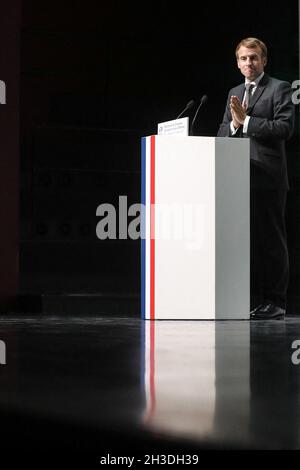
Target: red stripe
152 231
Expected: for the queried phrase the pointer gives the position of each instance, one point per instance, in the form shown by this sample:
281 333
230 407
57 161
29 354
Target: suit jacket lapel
241 92
258 92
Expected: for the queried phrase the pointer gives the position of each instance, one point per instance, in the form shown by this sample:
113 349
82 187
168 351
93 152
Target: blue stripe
143 228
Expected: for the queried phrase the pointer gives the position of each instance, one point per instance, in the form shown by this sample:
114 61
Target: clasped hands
238 111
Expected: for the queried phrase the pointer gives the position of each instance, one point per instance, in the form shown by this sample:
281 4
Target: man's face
250 62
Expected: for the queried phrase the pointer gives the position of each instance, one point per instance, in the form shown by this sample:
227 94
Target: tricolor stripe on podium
148 228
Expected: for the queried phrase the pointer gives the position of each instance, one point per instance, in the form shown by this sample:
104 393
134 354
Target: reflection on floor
109 383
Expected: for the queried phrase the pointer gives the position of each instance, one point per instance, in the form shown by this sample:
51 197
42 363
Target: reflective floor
106 382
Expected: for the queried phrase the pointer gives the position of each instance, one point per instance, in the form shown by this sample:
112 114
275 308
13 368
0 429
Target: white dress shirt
246 123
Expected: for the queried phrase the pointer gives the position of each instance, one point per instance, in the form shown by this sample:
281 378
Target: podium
195 247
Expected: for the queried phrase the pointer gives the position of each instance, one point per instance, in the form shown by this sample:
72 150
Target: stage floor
116 384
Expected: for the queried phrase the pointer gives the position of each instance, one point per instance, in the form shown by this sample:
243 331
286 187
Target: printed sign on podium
175 127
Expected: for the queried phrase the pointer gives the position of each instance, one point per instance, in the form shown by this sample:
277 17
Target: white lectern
195 254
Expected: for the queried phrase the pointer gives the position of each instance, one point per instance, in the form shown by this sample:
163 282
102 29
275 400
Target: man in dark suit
261 109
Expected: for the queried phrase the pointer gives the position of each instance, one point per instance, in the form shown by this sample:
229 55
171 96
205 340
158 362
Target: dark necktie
248 95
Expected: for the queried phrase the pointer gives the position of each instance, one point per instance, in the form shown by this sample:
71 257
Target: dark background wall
95 77
9 151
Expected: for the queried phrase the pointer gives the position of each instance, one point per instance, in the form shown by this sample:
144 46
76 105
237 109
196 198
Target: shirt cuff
233 129
246 123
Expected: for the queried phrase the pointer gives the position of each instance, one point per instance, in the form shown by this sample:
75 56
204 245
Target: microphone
202 102
188 106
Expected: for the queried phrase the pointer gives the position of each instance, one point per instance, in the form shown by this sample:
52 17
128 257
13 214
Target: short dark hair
252 43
